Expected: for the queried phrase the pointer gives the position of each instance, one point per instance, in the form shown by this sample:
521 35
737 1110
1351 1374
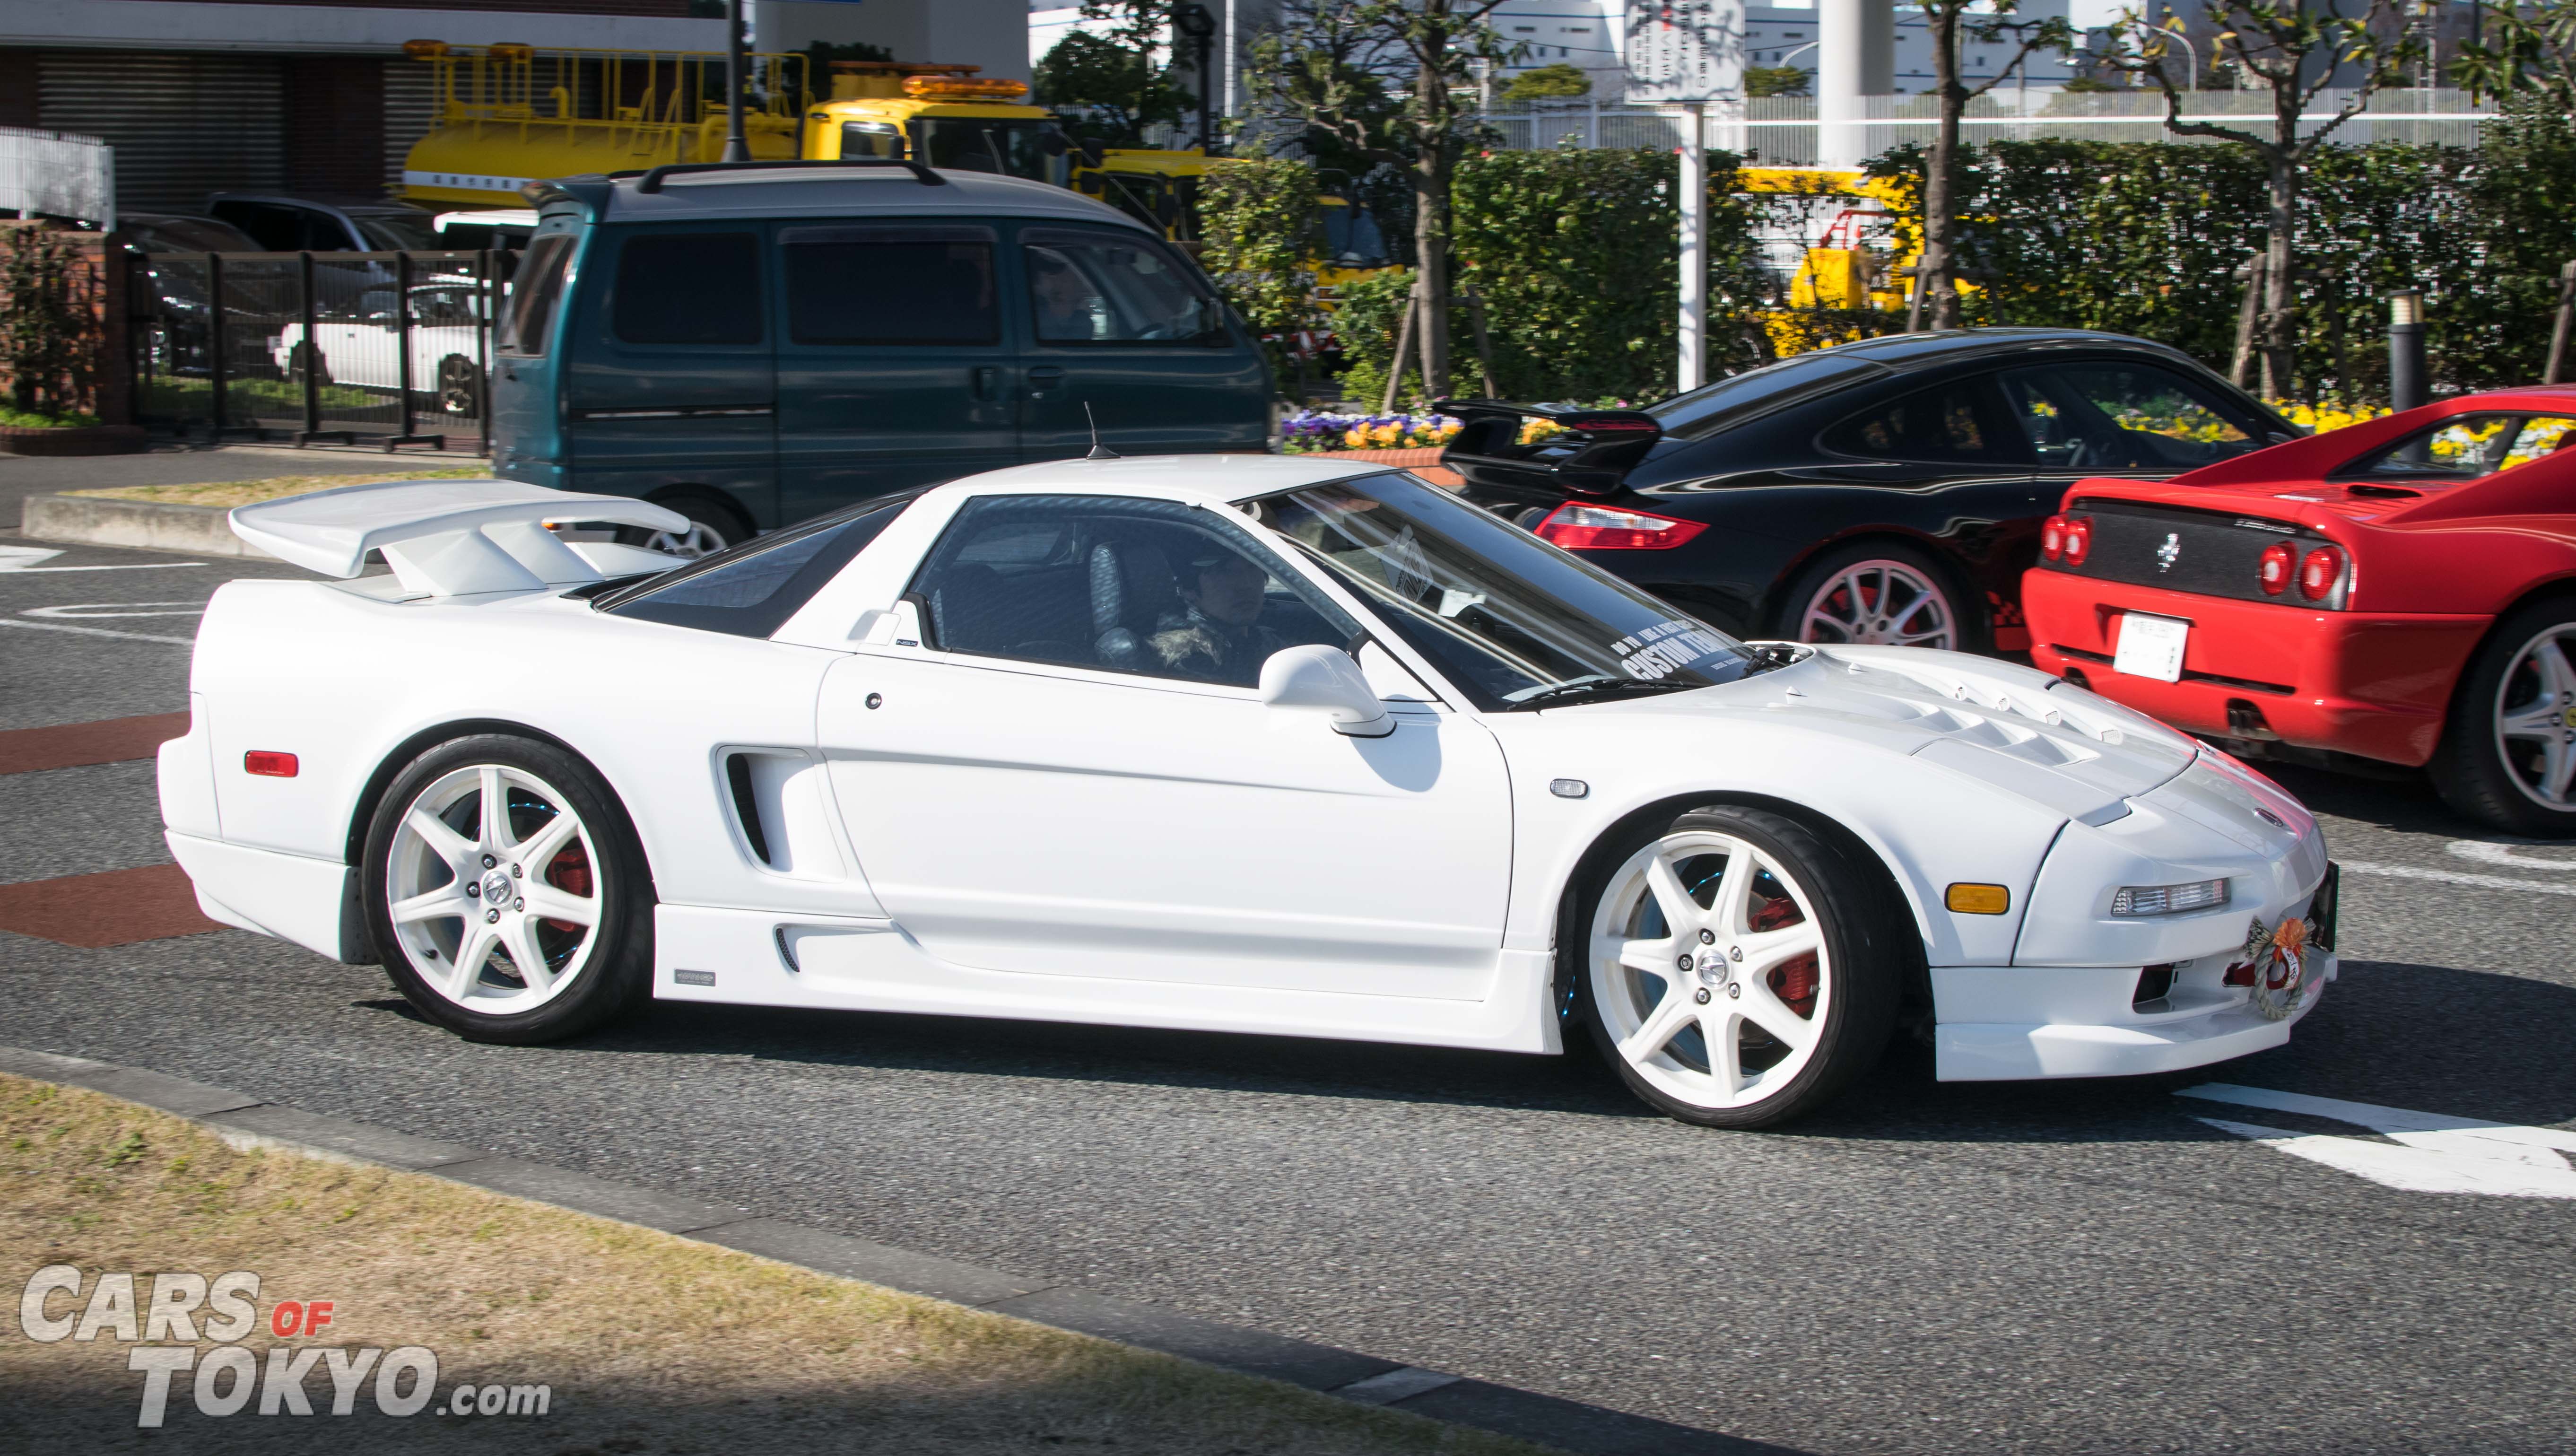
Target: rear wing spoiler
1590 453
451 538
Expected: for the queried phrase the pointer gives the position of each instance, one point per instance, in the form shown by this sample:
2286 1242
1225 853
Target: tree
2524 51
1392 81
1936 286
1118 88
1776 81
1552 82
2293 48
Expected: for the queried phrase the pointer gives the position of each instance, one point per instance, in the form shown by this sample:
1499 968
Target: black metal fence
389 348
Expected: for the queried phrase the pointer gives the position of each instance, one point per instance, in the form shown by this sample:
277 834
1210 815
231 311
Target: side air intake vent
746 805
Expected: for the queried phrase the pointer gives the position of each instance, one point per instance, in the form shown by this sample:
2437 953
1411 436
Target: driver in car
1220 638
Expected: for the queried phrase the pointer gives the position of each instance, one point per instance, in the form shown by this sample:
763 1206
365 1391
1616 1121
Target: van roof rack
921 172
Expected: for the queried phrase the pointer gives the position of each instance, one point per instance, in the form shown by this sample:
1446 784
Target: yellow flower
1355 437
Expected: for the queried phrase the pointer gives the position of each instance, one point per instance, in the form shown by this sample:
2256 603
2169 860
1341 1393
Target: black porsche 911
1890 490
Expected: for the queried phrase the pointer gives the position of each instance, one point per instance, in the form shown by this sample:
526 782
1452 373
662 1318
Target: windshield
1512 620
1740 397
393 232
989 144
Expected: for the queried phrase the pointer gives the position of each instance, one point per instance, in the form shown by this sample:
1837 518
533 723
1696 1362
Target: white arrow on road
2426 1152
24 558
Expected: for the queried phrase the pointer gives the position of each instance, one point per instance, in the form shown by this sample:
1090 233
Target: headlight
2169 899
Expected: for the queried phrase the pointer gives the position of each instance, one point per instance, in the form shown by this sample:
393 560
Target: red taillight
2278 558
269 764
2052 537
1600 528
2079 539
2320 572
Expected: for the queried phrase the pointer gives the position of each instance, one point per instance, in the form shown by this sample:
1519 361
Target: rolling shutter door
411 109
182 125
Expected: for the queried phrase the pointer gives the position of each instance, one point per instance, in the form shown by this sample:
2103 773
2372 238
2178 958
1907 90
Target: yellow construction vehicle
508 116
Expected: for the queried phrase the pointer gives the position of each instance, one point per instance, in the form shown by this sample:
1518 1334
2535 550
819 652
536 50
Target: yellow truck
507 116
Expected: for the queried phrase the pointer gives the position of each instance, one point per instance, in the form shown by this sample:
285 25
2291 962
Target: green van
754 344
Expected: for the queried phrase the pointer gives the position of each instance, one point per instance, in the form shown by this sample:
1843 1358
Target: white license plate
2151 647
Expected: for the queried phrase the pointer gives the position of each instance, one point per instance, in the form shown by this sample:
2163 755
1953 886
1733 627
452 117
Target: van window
1112 288
533 293
689 288
891 285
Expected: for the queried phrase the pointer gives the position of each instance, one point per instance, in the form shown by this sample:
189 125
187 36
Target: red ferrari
2401 591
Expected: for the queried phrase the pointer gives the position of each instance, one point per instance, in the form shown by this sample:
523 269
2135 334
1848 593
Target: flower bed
1312 431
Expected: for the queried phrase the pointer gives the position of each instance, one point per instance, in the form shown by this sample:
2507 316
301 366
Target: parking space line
117 907
2455 877
71 745
97 632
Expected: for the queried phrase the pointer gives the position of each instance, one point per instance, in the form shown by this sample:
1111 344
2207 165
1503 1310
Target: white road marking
95 631
83 610
19 558
2456 877
2487 851
24 558
2428 1152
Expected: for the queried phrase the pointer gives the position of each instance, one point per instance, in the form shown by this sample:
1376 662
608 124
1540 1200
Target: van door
894 367
1120 322
668 381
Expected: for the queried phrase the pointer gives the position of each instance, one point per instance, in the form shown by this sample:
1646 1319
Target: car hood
2013 728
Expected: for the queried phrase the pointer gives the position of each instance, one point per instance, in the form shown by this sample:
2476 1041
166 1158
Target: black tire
713 526
2473 769
302 356
1892 572
460 386
616 973
1869 939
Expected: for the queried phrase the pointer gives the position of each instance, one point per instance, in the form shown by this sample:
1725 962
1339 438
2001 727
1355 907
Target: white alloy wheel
2535 719
699 540
1709 969
1880 601
493 888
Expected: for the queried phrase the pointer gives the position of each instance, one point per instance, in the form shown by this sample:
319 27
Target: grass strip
647 1342
230 493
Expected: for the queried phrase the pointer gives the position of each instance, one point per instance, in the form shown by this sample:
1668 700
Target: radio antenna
1098 450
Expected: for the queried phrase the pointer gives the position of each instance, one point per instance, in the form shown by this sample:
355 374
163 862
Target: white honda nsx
1281 745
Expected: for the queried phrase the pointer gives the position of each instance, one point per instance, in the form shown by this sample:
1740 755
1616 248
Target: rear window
688 288
891 285
1741 397
2465 447
752 589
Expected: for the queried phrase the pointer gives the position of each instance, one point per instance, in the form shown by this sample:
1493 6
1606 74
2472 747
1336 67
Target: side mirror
1325 680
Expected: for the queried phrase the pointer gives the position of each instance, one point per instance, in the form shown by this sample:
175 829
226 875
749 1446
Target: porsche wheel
2508 754
506 894
1880 593
1740 968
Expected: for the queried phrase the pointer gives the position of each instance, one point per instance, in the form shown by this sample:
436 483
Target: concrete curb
247 1122
151 525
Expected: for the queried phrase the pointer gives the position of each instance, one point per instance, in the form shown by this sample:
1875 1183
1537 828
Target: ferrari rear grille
2206 553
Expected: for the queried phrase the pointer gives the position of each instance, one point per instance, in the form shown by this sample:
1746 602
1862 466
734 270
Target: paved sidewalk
174 464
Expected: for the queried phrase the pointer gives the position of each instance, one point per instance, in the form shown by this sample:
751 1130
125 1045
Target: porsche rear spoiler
451 538
1592 454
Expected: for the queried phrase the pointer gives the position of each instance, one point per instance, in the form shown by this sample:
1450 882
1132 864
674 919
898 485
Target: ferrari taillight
2278 559
2320 572
2079 539
1600 528
2052 537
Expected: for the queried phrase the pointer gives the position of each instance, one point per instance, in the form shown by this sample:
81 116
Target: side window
1112 288
688 288
2464 447
1148 587
533 294
1951 423
2124 417
891 285
871 139
752 589
275 229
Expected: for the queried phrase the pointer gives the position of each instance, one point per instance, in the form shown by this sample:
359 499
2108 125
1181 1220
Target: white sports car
1236 743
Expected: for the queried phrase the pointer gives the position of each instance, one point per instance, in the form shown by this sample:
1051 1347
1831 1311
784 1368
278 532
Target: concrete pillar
1855 57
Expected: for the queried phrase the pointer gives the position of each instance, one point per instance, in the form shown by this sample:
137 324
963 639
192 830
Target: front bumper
2376 685
2019 1023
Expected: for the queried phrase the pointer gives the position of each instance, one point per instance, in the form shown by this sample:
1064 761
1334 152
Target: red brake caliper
569 873
1793 981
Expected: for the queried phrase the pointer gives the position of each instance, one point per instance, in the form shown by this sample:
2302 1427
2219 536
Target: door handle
987 378
1044 377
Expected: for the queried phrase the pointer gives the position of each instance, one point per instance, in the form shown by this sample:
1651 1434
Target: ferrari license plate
2151 647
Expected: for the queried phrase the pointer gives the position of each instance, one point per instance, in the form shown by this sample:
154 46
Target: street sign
1685 50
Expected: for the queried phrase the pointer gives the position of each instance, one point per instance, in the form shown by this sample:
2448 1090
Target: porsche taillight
2320 573
2052 537
2275 569
1601 528
2079 539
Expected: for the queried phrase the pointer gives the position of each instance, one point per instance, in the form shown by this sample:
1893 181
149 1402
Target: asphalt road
2071 1267
173 464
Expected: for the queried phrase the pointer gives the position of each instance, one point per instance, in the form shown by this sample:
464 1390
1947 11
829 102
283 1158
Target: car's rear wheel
505 892
1878 592
1739 967
2508 754
712 527
460 386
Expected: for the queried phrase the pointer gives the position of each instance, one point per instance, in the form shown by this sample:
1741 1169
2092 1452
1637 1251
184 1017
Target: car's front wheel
505 892
2508 754
1739 967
